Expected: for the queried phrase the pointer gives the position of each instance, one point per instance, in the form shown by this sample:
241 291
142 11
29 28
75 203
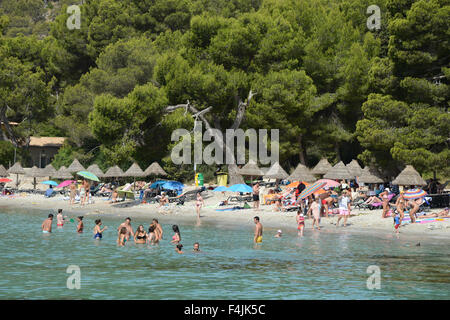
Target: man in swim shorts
59 219
256 196
47 224
258 230
127 225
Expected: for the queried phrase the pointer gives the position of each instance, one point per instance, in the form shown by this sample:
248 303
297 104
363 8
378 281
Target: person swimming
178 248
196 247
97 230
279 234
176 237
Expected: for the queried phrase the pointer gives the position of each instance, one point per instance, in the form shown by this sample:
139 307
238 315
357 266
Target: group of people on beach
124 231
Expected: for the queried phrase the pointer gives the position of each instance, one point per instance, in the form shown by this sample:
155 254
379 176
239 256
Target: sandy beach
361 221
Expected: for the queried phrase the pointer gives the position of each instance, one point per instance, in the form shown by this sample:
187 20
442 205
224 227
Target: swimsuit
301 223
45 231
141 237
259 239
98 235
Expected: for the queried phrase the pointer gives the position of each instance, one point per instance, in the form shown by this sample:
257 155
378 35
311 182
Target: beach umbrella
88 175
221 189
354 168
62 173
49 170
134 171
240 188
3 172
275 172
16 169
296 183
414 194
329 183
157 184
251 169
65 183
339 171
114 172
75 166
35 172
301 173
322 167
370 175
409 177
155 169
95 169
4 180
309 190
172 185
50 183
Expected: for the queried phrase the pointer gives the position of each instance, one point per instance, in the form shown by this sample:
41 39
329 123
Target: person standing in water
97 230
59 219
47 224
199 204
122 238
176 237
80 225
127 225
258 230
344 208
196 247
158 230
315 209
152 238
300 222
140 236
178 248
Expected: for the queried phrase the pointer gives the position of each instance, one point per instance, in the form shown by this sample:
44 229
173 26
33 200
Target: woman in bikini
140 236
385 196
176 237
300 222
199 204
400 204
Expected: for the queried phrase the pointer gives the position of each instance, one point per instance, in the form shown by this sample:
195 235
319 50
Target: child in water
80 225
397 221
178 248
122 237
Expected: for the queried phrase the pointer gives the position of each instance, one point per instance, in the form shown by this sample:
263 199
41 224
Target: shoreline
365 222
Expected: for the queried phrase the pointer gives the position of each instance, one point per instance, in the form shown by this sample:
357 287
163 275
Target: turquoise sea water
319 266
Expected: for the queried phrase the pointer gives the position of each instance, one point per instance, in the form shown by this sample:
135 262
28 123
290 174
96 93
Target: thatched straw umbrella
35 172
16 169
339 171
3 172
114 172
134 171
302 173
62 173
251 169
95 169
275 172
234 177
354 168
49 171
409 177
155 169
322 167
370 175
75 166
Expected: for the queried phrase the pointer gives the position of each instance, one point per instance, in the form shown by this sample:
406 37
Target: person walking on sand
300 222
397 222
98 232
80 225
73 192
256 196
344 208
258 230
82 194
87 191
385 197
315 209
158 230
47 224
199 204
127 225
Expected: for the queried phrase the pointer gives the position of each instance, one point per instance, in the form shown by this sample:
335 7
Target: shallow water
320 265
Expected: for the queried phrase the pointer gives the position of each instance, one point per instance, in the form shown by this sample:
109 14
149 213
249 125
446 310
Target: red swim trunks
396 226
324 201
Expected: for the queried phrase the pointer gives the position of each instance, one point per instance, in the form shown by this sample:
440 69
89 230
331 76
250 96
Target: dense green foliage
334 88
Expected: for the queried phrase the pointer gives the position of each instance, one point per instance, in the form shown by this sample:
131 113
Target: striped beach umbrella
414 194
311 189
329 183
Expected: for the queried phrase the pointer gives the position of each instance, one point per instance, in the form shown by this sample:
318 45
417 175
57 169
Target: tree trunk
301 153
336 150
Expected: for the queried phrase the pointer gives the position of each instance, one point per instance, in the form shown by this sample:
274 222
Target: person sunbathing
373 200
443 214
278 206
163 200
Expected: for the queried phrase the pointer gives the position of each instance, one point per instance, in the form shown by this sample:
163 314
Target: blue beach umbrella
172 185
157 184
221 188
240 187
88 175
50 183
